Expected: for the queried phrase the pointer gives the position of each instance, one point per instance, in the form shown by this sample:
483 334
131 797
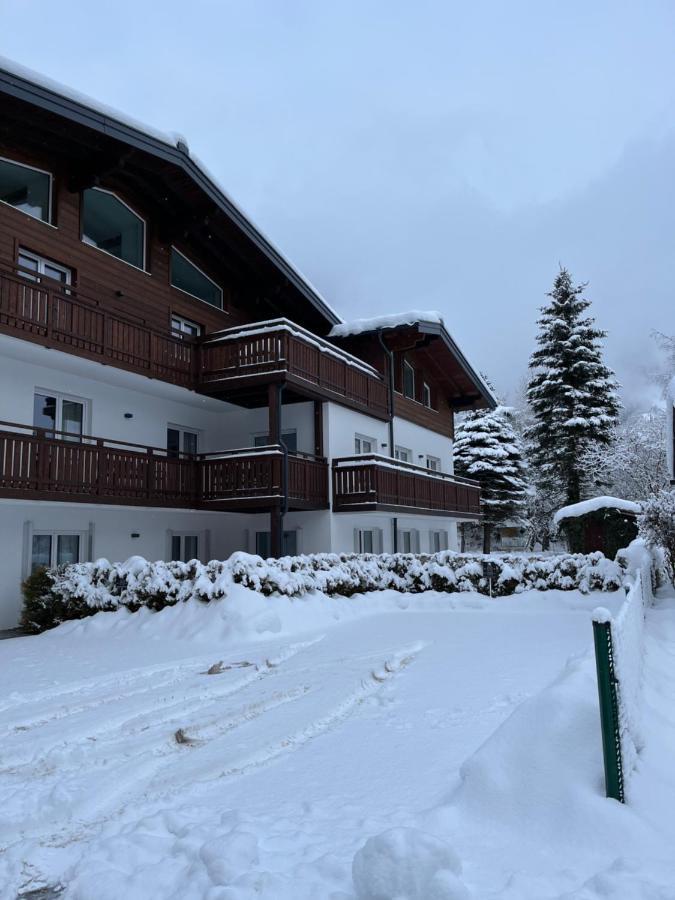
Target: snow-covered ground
432 730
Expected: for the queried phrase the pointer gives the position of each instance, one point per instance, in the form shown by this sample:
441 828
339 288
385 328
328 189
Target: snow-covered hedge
81 589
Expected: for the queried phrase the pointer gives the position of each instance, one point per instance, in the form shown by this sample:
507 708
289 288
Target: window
408 380
364 444
58 413
49 549
438 540
43 267
26 189
109 224
366 541
188 278
433 464
180 440
181 326
184 547
408 540
403 454
426 395
288 438
263 544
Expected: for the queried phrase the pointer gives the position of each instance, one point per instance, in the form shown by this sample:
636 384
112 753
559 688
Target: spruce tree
487 448
572 393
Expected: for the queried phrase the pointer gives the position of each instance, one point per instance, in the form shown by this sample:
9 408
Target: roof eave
39 95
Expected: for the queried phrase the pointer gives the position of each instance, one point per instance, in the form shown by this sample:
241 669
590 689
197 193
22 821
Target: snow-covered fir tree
488 449
572 393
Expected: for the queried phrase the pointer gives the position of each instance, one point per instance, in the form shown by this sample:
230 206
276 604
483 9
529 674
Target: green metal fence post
609 710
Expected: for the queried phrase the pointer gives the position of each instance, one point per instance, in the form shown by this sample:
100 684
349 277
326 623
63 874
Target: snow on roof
395 320
595 503
171 138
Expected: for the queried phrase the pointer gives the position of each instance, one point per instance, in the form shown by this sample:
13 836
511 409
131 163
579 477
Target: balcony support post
318 428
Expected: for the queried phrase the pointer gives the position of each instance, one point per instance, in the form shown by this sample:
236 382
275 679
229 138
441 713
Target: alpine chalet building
171 387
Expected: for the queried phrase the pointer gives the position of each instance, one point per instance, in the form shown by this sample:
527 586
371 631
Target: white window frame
60 397
42 261
181 535
51 190
107 252
403 454
443 540
414 539
407 365
54 534
182 431
433 463
183 320
201 272
358 440
426 395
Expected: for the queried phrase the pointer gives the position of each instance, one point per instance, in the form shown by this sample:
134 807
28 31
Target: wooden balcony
239 359
236 364
372 482
59 317
40 465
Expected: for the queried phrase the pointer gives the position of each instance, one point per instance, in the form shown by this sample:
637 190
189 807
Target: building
172 387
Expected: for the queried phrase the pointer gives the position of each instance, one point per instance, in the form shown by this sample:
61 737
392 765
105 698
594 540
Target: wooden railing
361 483
280 347
61 317
37 464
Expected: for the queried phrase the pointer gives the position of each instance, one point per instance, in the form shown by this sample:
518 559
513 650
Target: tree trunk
487 537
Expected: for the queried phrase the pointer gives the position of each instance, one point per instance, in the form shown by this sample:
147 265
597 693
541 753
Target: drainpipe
390 372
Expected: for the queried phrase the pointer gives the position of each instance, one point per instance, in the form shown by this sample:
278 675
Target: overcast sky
434 155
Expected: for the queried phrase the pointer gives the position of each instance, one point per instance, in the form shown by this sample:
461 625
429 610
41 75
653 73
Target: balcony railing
61 317
279 347
37 464
362 483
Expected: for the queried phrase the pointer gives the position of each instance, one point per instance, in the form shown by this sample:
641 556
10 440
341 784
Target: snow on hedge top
595 503
361 326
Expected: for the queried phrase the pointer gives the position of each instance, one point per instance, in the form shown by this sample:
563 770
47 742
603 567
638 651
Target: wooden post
318 428
274 413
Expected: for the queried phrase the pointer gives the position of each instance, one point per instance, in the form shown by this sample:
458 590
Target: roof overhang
15 82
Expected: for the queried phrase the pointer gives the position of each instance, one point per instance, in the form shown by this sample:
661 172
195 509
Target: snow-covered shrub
657 527
85 587
44 608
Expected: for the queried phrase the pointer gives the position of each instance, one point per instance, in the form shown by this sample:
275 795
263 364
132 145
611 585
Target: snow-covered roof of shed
173 140
395 320
592 505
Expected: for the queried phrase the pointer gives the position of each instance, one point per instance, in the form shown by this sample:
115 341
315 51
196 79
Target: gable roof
33 88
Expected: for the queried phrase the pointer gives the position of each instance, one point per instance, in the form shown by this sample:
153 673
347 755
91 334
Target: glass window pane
44 412
41 555
190 547
111 226
261 440
187 277
405 542
189 442
290 543
408 381
56 273
73 417
366 542
262 543
173 442
25 189
175 547
67 549
290 439
28 262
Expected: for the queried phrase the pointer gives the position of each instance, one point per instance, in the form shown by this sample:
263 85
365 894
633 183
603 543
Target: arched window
109 224
26 189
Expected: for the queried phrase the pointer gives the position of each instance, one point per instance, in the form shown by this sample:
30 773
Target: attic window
26 189
408 381
110 225
188 278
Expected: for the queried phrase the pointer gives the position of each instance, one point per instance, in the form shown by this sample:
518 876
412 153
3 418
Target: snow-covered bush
657 527
76 590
